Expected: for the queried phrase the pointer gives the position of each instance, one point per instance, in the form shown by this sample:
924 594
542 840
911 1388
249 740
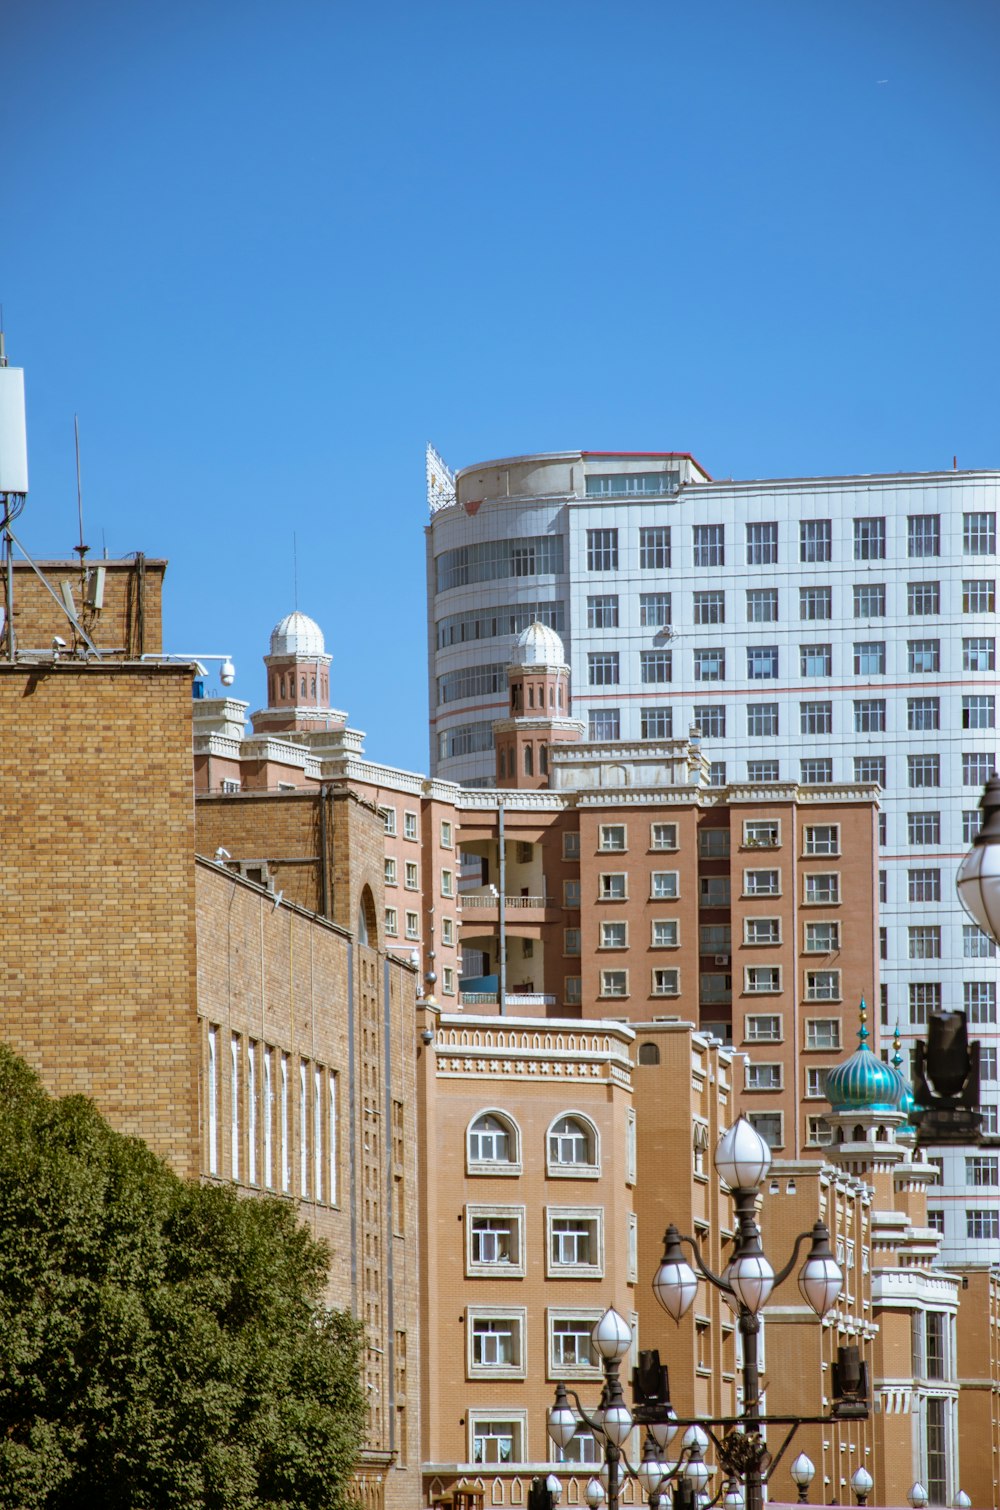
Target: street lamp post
803 1472
742 1160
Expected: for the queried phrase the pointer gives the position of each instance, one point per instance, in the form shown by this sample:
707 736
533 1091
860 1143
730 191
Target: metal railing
511 903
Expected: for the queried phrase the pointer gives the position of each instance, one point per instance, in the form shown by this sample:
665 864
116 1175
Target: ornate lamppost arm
783 1274
704 1270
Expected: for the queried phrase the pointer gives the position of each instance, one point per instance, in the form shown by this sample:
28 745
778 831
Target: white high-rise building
816 630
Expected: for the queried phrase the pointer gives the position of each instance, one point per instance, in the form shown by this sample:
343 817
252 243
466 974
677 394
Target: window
762 770
815 540
447 931
656 723
571 1346
815 603
816 1081
762 662
665 933
763 1028
924 941
447 834
654 547
664 884
603 724
923 598
494 1236
710 719
762 544
883 829
409 825
976 944
654 610
923 828
923 535
870 768
762 833
977 769
602 611
869 715
979 1001
602 668
982 1169
665 983
391 921
388 819
761 883
573 990
663 836
390 871
496 1441
822 888
971 823
883 888
713 891
714 989
612 836
571 941
983 1224
991 1119
412 925
710 665
447 883
822 1033
822 839
410 874
816 718
987 1064
762 605
494 1343
614 935
923 770
979 712
979 654
769 1126
869 539
572 1142
710 607
763 1077
819 1133
816 772
979 596
655 665
822 985
574 1239
815 660
923 713
822 938
923 656
613 886
571 893
602 550
713 843
762 979
614 983
625 484
869 658
709 545
492 1140
571 845
869 600
762 720
924 998
762 930
979 534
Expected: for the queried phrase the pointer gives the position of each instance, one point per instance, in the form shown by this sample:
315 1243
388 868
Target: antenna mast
81 549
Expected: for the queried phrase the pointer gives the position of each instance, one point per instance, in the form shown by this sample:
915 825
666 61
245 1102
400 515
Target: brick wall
130 621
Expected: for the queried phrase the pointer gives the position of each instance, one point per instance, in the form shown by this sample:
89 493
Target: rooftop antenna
295 569
81 549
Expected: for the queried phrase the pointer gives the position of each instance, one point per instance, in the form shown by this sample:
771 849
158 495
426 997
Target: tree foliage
162 1343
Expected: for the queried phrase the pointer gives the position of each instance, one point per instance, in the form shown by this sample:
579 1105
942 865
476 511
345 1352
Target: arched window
572 1144
313 687
503 763
302 687
367 922
560 695
543 760
282 684
649 1053
552 697
859 1134
493 1139
531 694
529 761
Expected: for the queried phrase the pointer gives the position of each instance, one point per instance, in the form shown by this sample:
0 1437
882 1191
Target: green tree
162 1343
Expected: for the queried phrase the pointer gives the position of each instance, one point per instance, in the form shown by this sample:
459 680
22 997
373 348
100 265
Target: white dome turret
538 645
297 634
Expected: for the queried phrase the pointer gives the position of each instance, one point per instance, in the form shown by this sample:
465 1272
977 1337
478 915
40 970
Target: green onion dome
863 1082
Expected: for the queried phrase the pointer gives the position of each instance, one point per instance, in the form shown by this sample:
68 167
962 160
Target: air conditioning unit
722 959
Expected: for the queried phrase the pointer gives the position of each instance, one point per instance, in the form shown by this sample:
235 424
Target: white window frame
413 925
411 875
594 1216
829 900
410 825
754 1117
811 948
391 922
494 1167
752 1018
813 1042
607 882
654 836
809 986
809 850
753 840
750 988
665 970
557 1368
519 1439
517 1316
447 834
669 923
613 995
477 1268
754 943
558 1170
606 844
751 890
658 876
391 874
613 923
388 819
754 1068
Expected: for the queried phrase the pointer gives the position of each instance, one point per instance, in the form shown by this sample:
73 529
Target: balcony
514 1001
479 909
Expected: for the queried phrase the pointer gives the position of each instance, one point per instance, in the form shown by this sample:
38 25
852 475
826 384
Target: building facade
822 630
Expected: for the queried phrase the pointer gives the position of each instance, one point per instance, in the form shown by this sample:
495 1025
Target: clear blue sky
268 248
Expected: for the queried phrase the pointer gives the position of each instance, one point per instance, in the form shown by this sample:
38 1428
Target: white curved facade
816 629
